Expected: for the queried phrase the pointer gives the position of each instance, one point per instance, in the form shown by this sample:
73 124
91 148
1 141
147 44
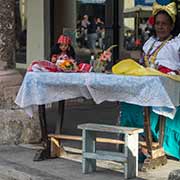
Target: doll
62 49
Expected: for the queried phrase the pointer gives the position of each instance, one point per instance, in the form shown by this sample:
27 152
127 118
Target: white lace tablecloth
44 87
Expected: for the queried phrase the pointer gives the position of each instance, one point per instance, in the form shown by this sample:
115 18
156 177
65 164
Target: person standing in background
92 34
100 32
84 24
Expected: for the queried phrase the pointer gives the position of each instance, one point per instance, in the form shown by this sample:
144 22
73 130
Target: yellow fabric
130 67
169 8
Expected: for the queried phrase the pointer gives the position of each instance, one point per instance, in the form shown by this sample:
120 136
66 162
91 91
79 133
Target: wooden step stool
90 154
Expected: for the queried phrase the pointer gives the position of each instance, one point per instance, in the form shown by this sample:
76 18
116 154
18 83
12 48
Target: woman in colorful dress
162 52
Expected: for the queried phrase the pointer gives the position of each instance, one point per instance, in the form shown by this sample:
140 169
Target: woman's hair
165 13
56 50
176 29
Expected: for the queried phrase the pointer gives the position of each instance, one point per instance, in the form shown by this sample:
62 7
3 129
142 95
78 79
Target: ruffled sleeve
147 45
169 55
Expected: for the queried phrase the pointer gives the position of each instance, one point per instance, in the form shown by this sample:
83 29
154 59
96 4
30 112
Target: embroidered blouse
169 54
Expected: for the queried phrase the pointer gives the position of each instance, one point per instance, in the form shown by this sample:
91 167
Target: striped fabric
43 66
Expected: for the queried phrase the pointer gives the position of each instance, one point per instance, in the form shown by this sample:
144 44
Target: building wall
129 22
128 4
37 17
64 16
39 26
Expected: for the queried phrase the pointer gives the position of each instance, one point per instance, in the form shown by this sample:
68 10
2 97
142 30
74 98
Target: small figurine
62 49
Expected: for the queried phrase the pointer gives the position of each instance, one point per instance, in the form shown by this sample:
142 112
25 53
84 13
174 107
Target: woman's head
165 18
163 25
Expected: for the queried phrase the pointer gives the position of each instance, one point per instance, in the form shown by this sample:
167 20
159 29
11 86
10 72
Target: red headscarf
64 40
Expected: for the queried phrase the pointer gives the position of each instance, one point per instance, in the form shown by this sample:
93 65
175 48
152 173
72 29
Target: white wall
38 34
128 4
64 16
38 26
129 22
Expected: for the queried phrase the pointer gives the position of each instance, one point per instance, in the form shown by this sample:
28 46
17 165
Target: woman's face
163 26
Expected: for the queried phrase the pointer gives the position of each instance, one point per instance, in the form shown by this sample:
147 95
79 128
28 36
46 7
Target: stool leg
59 123
89 145
131 152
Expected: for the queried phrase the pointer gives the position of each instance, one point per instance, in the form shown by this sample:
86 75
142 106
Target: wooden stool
90 154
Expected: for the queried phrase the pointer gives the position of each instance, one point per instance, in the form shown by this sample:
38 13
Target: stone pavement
16 163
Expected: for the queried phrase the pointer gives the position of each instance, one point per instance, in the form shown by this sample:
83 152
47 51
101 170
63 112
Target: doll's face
63 47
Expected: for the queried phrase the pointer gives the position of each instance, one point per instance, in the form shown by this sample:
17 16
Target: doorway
106 14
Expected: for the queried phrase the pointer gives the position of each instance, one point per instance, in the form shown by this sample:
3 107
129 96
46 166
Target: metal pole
116 28
118 19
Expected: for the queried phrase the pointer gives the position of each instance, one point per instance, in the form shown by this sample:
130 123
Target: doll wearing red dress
62 49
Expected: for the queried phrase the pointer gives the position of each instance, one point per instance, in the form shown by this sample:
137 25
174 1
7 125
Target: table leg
57 148
156 155
59 123
45 152
147 129
162 122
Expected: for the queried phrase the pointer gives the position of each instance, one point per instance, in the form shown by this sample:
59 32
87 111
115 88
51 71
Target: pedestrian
84 24
92 35
100 32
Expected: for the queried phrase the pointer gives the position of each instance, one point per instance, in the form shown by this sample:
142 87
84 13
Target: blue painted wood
110 128
106 155
90 155
88 145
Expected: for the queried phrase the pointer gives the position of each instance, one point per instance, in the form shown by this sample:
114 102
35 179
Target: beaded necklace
149 59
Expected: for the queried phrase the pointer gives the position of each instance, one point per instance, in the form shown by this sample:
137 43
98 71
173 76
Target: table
40 88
